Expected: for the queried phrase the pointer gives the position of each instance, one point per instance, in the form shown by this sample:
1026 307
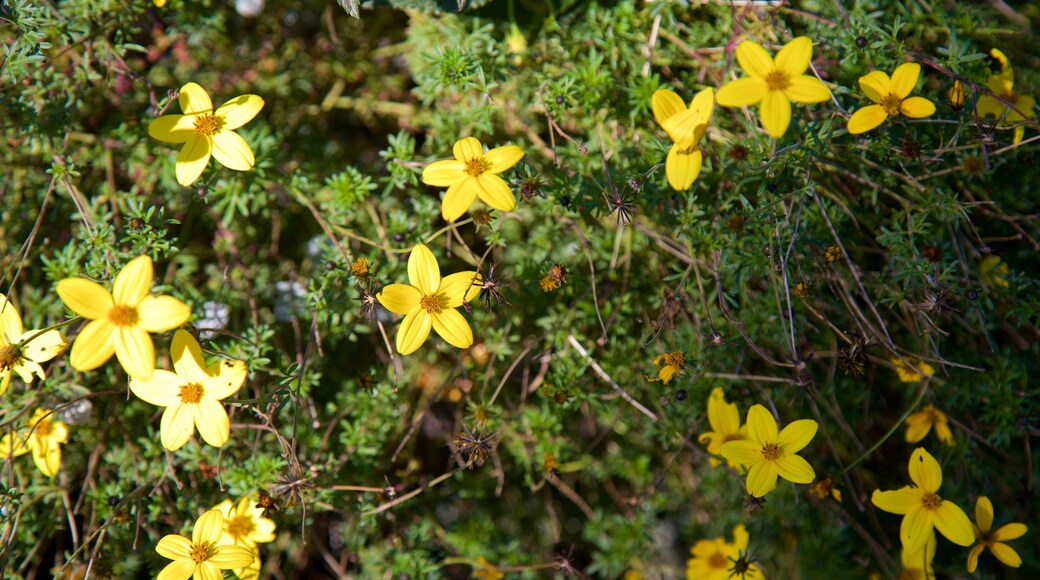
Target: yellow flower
923 509
201 556
430 301
769 454
22 350
825 487
246 526
43 438
121 320
1003 84
918 564
774 83
992 272
685 126
920 423
192 395
715 559
985 537
472 174
674 364
486 570
957 95
906 372
724 419
206 132
891 98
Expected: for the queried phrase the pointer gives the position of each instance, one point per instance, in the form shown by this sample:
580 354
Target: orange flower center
890 103
42 429
121 315
931 502
718 561
239 527
191 393
477 166
430 303
199 552
10 356
771 451
207 125
777 81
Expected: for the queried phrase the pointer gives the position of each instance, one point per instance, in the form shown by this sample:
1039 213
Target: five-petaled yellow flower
246 526
890 96
768 453
428 301
922 508
206 132
202 556
714 559
22 350
685 126
920 424
986 537
1003 84
774 83
121 320
192 395
472 174
907 372
674 364
724 419
43 438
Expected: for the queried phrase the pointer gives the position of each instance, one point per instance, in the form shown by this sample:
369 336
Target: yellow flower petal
177 570
682 166
443 173
876 85
952 522
205 570
761 425
973 557
925 470
984 513
232 151
754 59
10 322
795 469
172 128
13 445
414 330
988 106
47 458
467 148
806 89
174 547
904 79
5 380
133 282
225 379
187 358
917 107
252 571
162 390
135 351
453 328
162 313
775 112
899 501
176 426
744 452
239 111
916 429
1006 554
761 478
212 422
208 528
42 347
865 119
459 198
192 160
915 529
494 191
797 435
194 100
459 287
795 56
742 92
1009 532
704 102
399 298
93 346
502 158
666 104
86 298
722 416
423 271
227 557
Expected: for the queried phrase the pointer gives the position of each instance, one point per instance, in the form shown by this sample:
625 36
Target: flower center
718 561
771 451
10 356
206 125
239 527
430 303
477 166
777 81
122 315
890 103
191 393
199 552
42 429
931 502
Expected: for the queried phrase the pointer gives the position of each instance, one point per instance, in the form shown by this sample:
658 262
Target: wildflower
429 301
715 559
202 556
918 564
22 351
246 525
548 284
473 173
486 570
920 423
957 96
769 454
724 419
923 509
121 320
833 254
801 290
890 96
992 272
985 537
774 83
1003 84
825 487
912 370
674 364
43 438
481 217
192 395
550 464
685 126
359 267
206 132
